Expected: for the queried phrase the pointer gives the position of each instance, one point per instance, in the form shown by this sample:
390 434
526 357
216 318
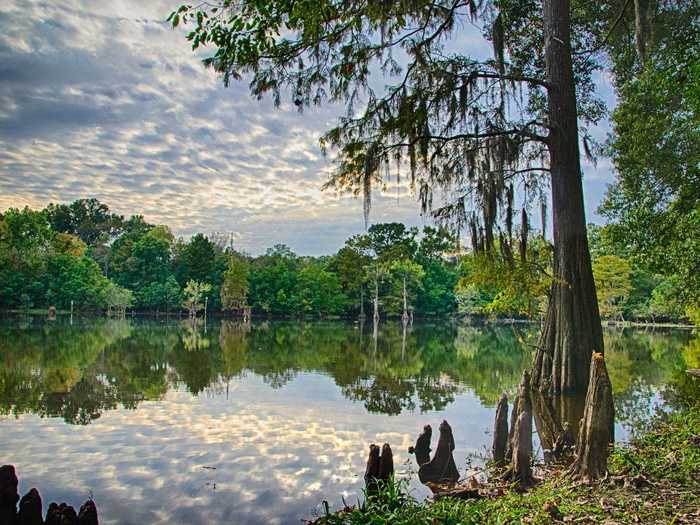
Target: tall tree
234 290
455 122
654 205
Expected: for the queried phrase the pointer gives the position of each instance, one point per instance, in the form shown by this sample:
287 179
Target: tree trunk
404 317
376 299
572 328
597 425
642 26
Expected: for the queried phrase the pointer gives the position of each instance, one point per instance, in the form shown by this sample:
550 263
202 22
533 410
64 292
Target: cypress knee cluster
441 468
30 506
380 468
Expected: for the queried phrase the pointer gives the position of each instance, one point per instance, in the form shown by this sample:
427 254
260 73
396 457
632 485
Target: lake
162 422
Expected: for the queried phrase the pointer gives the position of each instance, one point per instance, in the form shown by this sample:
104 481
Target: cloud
103 99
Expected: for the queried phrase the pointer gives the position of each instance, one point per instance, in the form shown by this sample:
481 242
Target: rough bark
500 432
442 468
596 432
694 372
30 509
8 494
572 325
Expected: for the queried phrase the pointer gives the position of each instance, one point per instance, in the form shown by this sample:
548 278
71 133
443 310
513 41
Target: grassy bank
654 479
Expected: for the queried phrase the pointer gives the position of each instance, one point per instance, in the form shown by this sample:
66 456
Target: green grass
655 479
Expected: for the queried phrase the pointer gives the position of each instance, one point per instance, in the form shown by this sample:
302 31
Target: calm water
163 423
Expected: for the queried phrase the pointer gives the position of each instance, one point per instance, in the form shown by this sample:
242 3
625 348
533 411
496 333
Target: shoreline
466 320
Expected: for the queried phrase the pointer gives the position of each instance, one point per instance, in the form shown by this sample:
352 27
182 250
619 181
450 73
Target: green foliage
613 284
75 279
692 312
234 289
42 267
194 295
88 219
666 456
666 300
492 283
200 260
405 278
654 205
118 298
319 291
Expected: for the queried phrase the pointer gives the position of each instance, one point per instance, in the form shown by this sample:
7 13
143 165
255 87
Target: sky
106 100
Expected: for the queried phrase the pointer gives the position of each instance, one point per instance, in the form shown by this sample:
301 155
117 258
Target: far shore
468 319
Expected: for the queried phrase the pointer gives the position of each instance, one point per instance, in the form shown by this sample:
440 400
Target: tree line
82 253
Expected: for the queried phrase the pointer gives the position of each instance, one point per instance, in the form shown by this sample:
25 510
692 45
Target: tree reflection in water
78 371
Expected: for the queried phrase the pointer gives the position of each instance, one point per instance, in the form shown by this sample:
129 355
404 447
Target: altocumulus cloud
104 99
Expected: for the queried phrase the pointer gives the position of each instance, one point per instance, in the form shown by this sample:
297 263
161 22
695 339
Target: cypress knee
520 469
442 468
379 467
30 509
511 432
8 494
500 432
386 463
88 514
422 448
372 470
596 431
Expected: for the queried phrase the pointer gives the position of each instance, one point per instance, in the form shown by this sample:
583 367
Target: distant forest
84 254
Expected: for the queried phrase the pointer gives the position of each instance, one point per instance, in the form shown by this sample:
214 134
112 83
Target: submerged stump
500 432
596 429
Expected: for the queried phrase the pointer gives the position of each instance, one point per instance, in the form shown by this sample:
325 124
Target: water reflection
78 371
284 411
